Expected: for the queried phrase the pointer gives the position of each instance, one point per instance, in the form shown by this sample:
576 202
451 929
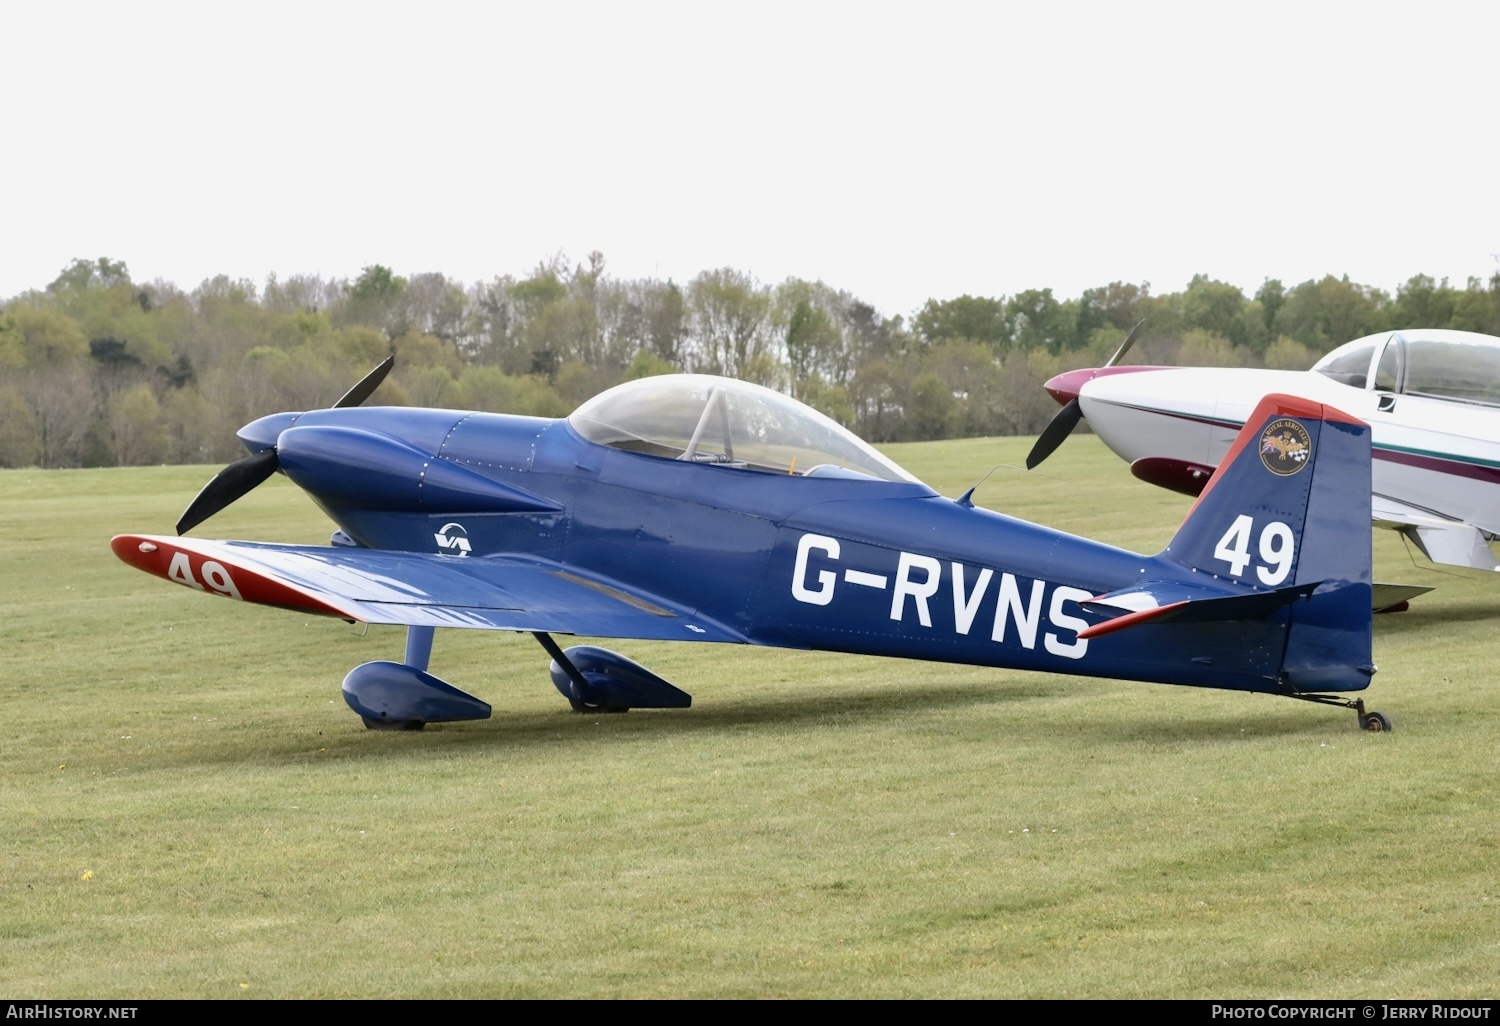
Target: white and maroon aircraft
1431 397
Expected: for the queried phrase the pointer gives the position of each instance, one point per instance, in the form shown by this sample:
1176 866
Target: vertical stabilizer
1290 506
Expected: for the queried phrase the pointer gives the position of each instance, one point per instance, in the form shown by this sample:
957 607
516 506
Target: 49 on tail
1276 552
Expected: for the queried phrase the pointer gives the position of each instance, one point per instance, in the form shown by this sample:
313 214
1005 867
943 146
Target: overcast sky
900 151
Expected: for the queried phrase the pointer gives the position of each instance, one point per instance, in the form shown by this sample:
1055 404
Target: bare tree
62 400
729 314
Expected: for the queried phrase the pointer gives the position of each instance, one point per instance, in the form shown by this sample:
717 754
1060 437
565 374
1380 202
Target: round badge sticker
1285 447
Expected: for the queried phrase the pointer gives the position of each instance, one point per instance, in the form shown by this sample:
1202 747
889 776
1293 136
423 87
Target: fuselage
1430 453
1431 398
844 563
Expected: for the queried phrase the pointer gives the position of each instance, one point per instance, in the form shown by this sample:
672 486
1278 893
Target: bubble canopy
734 424
1439 363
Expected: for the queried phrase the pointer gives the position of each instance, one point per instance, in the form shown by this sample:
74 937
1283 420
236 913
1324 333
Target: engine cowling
361 469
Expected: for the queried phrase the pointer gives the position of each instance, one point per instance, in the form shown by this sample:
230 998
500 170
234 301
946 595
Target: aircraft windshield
705 419
1456 369
1348 364
1461 365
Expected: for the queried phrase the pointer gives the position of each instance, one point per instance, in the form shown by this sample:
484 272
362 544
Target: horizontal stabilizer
1388 596
1192 605
1151 595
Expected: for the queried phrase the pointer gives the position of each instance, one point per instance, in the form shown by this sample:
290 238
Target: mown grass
189 810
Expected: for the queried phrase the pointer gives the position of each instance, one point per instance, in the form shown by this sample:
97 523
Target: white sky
898 150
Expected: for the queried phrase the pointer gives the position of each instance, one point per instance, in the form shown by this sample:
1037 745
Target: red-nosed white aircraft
1431 397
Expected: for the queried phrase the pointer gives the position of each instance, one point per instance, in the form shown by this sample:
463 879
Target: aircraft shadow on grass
547 730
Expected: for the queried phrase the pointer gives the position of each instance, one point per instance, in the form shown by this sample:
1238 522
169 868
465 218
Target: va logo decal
453 540
1285 447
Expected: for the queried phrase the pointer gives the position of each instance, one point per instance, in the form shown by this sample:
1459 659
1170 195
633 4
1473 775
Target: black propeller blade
243 475
1062 425
1057 429
1125 346
229 484
371 381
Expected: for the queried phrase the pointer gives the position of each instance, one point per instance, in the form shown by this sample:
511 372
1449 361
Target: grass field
188 809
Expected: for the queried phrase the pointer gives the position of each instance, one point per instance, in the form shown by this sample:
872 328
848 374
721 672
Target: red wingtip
207 567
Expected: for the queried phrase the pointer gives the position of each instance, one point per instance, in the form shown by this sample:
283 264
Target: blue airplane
698 508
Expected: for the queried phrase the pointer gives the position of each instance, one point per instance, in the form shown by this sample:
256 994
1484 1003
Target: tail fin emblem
1285 447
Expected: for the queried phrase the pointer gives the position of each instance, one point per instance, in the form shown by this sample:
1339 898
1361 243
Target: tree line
100 370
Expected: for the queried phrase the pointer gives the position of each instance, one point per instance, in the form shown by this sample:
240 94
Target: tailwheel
1374 722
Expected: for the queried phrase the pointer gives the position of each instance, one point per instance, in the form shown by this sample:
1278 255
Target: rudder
1290 506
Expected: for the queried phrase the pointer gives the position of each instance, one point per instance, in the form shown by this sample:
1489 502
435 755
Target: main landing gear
1375 722
596 680
404 696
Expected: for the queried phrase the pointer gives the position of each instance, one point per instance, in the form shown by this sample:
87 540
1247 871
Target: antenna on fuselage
967 498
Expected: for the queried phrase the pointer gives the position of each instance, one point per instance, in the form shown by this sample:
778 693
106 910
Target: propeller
1062 425
1057 429
243 475
367 385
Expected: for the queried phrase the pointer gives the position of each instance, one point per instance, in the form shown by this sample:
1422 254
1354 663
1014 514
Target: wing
1441 539
504 592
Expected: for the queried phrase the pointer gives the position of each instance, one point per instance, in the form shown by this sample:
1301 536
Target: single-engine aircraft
1431 398
698 508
